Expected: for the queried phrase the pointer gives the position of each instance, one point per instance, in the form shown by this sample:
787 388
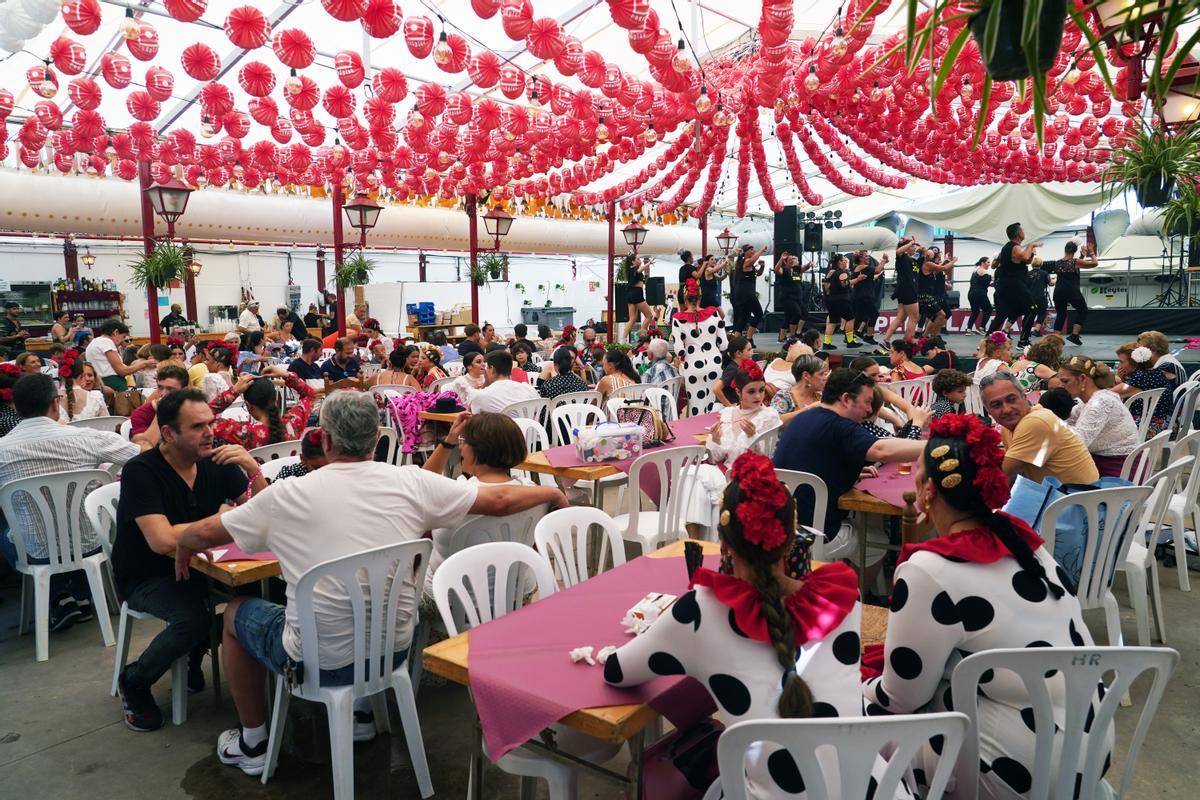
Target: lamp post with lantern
727 240
362 215
496 222
168 200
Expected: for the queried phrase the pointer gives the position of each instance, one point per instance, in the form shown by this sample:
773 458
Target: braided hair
964 495
796 700
261 394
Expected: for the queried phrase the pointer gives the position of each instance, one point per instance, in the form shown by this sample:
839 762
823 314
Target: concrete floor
61 735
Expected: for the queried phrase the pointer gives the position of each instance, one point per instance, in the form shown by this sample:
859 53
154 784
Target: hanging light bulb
441 51
1071 78
46 87
793 100
207 128
780 105
601 131
967 92
876 93
650 136
536 112
839 46
337 153
681 62
811 81
129 27
721 118
293 85
415 120
703 102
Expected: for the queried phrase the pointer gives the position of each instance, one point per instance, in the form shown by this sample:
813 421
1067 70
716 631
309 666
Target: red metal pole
71 260
148 245
473 235
704 235
612 256
189 294
338 253
321 270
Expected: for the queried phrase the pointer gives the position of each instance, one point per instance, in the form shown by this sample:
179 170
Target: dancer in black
866 295
1012 283
931 291
977 296
713 273
837 301
1040 281
790 274
747 310
907 267
689 269
1067 294
635 277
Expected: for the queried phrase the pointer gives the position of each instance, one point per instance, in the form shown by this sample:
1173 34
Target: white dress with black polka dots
700 346
700 637
945 609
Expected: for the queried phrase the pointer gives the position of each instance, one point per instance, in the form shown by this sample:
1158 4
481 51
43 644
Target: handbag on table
655 430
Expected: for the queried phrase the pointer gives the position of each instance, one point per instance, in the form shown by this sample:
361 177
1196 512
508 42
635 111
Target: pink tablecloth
889 486
231 552
522 676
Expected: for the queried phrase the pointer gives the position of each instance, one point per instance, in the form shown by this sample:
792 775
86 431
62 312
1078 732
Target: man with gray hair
378 504
660 369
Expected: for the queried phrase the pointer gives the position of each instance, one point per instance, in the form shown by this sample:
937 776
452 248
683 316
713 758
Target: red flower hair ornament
983 445
66 364
691 288
762 497
753 372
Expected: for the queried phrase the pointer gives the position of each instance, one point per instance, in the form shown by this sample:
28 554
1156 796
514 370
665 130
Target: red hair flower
691 288
997 337
10 369
6 395
762 497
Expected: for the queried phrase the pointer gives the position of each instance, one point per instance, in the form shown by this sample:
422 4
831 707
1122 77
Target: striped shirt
40 445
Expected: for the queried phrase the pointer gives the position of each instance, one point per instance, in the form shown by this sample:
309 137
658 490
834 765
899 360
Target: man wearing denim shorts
382 504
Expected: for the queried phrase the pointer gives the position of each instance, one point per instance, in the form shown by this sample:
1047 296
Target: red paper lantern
390 84
282 130
458 53
485 9
306 96
294 48
87 124
247 27
85 93
48 114
431 99
545 38
216 99
126 169
68 55
145 46
338 101
159 83
82 16
458 107
594 69
42 80
349 67
381 18
186 10
630 14
570 60
116 70
512 81
236 123
345 10
418 35
257 80
484 69
200 61
516 17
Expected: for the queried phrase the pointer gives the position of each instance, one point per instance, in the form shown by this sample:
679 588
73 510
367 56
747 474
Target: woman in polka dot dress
765 645
985 582
698 337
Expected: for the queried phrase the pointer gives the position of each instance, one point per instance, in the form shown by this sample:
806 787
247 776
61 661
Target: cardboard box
461 316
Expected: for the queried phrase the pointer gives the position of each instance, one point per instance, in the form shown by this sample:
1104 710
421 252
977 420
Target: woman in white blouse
76 402
1101 420
471 381
728 438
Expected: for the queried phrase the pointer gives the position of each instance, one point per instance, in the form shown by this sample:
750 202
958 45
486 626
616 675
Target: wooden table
616 724
437 416
236 573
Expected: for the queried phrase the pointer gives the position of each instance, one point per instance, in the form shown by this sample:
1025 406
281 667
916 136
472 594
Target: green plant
1181 214
621 347
1151 162
558 287
479 275
520 287
493 264
354 271
164 264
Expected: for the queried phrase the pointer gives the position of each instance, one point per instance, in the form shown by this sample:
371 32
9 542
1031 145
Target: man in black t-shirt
471 344
1012 283
299 329
163 490
688 269
12 334
305 365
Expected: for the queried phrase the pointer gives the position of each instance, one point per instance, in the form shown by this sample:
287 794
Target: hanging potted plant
164 265
1150 162
1018 37
494 264
1181 214
479 274
354 271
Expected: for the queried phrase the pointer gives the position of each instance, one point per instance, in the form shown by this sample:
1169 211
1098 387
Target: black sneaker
851 344
64 613
142 714
1024 343
829 346
1074 339
85 610
869 339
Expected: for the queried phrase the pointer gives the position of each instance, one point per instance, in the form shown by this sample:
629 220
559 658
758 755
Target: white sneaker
364 726
231 751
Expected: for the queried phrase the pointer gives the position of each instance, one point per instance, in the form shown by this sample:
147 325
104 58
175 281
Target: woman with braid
75 402
765 643
984 582
266 424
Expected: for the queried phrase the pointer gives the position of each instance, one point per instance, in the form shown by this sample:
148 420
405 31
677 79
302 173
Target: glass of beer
904 468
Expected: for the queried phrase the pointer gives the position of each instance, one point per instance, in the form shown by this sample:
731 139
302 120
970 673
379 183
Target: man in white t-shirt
376 504
501 390
248 321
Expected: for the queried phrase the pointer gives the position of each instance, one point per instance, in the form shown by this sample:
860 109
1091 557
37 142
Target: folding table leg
477 761
636 754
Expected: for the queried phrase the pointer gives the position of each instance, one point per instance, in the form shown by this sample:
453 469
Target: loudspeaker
787 231
656 291
621 301
813 237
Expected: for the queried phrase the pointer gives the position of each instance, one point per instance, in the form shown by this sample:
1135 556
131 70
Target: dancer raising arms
1012 283
743 277
907 307
1066 292
977 296
635 278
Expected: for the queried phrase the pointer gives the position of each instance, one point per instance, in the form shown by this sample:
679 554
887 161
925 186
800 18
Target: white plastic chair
536 441
437 385
453 369
56 499
392 437
664 401
1143 461
537 410
916 391
269 452
1141 564
589 397
651 529
1182 505
793 480
1076 672
764 443
973 401
1183 414
566 418
859 745
107 424
674 386
565 534
516 528
634 391
270 469
376 581
1107 545
485 582
1149 400
126 430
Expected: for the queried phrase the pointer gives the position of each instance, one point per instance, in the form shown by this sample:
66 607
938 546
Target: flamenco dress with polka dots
699 338
716 634
961 594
